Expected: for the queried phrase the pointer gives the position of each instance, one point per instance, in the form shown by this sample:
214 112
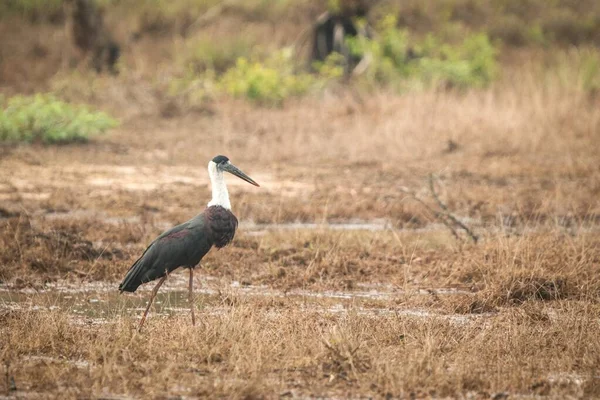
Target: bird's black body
182 246
186 244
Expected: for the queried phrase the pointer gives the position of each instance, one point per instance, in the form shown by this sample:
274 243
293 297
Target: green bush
268 82
46 119
397 61
401 61
330 69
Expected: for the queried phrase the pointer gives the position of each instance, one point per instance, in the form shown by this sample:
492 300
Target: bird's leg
192 295
152 296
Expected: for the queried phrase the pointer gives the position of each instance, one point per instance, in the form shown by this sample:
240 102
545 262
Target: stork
186 244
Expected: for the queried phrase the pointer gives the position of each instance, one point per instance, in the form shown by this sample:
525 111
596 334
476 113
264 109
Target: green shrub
46 119
330 69
397 61
400 61
269 82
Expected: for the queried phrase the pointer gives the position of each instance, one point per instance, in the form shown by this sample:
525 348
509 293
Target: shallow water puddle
91 304
98 302
209 286
254 229
374 225
248 226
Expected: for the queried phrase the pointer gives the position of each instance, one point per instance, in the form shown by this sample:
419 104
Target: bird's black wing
181 246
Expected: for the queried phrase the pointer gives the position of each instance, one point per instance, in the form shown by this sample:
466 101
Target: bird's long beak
232 169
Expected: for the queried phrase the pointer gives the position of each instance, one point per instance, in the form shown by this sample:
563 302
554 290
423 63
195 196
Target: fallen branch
440 216
443 214
447 212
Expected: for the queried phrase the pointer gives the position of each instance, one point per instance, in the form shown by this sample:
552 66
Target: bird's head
222 163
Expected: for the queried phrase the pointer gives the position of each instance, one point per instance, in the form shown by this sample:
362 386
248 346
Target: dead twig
440 216
443 214
447 212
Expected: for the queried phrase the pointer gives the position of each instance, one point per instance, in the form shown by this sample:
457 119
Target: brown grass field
340 283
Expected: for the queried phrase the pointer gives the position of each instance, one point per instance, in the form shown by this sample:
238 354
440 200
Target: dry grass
517 161
539 294
503 270
249 352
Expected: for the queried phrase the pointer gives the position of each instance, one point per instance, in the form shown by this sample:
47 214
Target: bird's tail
133 279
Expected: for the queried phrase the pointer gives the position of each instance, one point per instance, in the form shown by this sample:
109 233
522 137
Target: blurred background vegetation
182 55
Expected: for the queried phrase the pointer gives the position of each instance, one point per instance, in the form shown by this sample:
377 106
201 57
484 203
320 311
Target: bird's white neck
220 196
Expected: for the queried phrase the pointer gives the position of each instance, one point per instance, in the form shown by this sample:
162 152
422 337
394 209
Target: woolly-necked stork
186 244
